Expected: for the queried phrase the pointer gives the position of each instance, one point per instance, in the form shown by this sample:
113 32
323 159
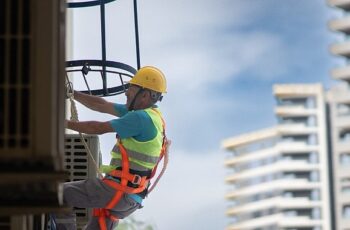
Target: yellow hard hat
151 78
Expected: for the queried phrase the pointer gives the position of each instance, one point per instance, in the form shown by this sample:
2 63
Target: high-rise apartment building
279 176
339 103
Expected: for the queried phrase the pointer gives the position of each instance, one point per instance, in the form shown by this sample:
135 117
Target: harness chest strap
102 213
125 177
123 180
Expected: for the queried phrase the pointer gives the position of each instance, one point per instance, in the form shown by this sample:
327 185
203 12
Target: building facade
339 104
279 176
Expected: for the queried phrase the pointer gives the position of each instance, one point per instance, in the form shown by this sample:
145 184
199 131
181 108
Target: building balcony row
342 122
344 224
341 73
278 150
341 147
343 199
343 4
281 111
340 25
266 134
275 202
339 95
281 184
297 90
282 166
341 49
279 220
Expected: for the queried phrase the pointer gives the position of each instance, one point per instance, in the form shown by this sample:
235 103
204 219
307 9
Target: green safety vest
143 156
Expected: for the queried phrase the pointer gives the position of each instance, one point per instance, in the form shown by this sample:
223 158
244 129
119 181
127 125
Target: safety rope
74 117
165 164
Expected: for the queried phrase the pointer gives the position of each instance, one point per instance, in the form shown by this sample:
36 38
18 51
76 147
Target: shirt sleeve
120 109
136 124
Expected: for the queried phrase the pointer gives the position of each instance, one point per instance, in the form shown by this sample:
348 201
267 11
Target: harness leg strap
102 214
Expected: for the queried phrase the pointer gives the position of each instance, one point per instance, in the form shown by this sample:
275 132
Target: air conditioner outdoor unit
32 74
80 166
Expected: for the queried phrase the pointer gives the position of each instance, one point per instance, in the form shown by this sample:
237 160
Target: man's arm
90 127
96 103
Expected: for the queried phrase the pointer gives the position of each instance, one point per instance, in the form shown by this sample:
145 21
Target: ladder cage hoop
81 4
88 70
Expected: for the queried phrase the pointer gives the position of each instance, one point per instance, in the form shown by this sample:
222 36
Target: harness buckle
136 180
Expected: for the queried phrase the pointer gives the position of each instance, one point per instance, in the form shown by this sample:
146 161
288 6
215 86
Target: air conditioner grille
80 167
15 83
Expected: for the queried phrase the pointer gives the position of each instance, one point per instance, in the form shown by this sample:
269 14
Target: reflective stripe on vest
143 156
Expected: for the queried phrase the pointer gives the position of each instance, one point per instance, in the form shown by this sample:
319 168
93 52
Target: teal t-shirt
137 124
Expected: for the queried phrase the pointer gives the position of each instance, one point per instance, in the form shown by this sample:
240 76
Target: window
344 159
315 194
312 121
313 157
312 139
314 176
345 135
346 211
295 138
255 146
294 120
293 102
311 102
291 213
345 190
343 109
316 213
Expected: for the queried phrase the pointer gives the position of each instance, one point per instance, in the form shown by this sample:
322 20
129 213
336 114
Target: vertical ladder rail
103 47
137 35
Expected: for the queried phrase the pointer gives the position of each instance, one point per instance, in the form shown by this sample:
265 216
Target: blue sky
221 58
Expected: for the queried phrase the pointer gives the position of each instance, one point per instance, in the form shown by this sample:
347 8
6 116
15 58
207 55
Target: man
141 139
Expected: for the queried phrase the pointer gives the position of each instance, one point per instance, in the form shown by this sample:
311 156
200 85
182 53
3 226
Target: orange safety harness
125 177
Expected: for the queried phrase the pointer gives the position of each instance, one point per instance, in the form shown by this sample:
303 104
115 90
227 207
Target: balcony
343 173
295 147
341 73
343 146
299 90
344 223
294 110
253 156
275 202
343 199
248 138
256 222
341 96
341 49
280 147
287 165
342 122
343 4
341 25
299 222
291 129
277 219
254 206
282 184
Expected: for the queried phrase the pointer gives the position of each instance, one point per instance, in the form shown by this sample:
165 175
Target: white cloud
197 43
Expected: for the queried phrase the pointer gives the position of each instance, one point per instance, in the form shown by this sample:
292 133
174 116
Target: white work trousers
93 193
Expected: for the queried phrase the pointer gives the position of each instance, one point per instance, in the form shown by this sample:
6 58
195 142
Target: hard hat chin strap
131 106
